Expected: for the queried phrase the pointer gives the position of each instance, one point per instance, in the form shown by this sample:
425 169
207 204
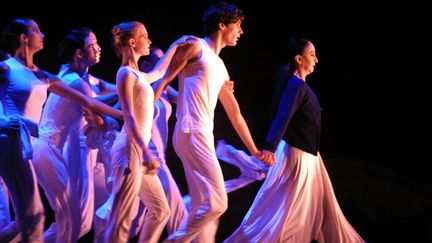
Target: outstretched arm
161 66
59 87
108 91
182 56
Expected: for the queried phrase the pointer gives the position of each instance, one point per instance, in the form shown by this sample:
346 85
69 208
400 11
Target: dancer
296 202
202 74
135 167
64 167
158 145
23 93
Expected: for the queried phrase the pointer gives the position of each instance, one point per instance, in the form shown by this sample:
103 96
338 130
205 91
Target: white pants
130 181
51 170
102 191
178 210
20 179
81 162
205 184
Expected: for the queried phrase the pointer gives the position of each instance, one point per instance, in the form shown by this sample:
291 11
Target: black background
374 102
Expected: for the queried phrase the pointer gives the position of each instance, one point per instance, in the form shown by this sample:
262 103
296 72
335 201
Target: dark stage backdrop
351 39
373 111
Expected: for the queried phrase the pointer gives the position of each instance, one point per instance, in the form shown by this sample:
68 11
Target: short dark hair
71 42
220 12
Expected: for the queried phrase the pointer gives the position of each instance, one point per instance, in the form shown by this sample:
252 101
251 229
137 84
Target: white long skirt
296 203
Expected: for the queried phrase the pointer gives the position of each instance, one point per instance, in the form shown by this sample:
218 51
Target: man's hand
268 157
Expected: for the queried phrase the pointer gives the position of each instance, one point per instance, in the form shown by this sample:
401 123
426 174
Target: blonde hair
121 34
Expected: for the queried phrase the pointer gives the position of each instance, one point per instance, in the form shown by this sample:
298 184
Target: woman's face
142 40
308 59
92 50
34 37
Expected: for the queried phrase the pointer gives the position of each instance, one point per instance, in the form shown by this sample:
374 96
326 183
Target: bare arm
106 87
107 98
161 66
108 91
182 56
172 94
125 84
59 87
232 109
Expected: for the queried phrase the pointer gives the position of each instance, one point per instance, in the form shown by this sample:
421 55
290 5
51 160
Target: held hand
151 165
268 157
229 84
94 119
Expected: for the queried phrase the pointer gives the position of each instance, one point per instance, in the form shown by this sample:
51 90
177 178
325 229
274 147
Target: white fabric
23 95
199 85
251 169
158 145
69 187
296 203
130 179
205 185
51 170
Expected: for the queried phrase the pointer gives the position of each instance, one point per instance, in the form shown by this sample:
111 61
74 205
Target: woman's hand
151 164
268 157
184 40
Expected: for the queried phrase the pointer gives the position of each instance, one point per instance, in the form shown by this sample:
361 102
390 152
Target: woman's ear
132 42
298 59
78 53
23 38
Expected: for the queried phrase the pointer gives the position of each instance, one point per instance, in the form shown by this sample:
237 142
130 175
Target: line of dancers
98 149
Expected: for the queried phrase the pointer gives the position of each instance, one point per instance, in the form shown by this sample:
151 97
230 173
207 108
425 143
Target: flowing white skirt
296 203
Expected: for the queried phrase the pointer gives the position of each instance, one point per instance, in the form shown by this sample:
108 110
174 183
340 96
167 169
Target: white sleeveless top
61 115
143 97
24 93
199 85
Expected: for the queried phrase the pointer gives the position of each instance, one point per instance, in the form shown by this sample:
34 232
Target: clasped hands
265 156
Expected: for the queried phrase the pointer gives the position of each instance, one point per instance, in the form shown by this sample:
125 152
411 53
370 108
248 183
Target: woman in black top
296 203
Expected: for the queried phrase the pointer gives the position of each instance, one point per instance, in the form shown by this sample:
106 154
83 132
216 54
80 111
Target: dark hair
4 55
12 32
293 47
74 40
220 12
